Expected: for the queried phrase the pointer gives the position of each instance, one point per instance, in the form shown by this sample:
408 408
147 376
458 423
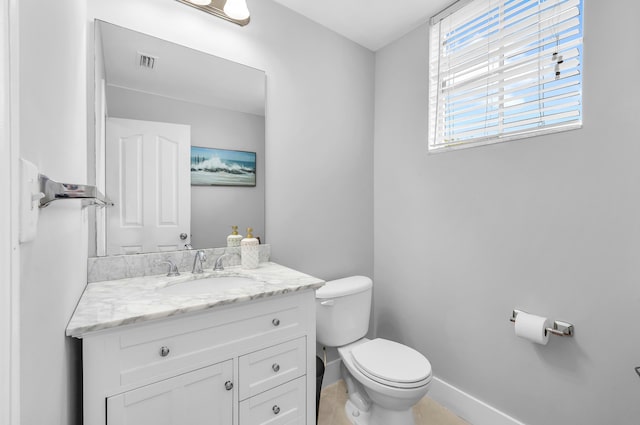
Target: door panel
194 398
149 180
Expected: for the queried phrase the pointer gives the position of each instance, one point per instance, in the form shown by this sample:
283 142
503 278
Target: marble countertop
114 303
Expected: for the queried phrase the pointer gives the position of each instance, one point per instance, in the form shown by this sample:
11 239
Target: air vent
147 61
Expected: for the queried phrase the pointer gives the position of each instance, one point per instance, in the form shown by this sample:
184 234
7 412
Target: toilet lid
392 363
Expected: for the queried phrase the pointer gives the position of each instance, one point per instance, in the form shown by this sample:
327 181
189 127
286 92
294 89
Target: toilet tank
342 310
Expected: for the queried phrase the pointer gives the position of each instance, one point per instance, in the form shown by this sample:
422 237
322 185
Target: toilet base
378 415
355 415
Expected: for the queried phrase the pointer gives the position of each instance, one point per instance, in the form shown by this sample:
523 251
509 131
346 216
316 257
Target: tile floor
426 412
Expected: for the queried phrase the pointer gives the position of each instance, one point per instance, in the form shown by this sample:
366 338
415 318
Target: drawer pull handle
228 385
276 322
276 409
164 351
275 367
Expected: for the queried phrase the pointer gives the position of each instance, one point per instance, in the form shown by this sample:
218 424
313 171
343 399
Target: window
504 69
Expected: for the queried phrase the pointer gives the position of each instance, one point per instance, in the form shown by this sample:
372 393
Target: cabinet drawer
148 353
264 369
283 405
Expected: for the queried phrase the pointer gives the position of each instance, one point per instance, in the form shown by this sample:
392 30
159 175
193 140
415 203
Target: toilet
384 378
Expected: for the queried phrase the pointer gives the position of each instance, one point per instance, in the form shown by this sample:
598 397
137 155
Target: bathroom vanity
232 354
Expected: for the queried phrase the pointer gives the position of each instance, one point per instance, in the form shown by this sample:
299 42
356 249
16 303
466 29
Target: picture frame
222 167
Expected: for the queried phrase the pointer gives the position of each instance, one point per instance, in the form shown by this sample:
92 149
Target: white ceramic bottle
234 238
249 251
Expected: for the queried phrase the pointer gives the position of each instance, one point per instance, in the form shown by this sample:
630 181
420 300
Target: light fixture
235 11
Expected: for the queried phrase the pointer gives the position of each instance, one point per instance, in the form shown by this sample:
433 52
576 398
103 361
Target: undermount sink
208 285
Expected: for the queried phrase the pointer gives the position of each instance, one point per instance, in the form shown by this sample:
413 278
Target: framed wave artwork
222 167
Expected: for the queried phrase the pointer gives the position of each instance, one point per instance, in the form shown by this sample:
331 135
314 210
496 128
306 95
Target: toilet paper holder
559 328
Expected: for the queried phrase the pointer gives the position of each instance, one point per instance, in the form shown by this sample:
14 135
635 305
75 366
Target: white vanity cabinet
241 364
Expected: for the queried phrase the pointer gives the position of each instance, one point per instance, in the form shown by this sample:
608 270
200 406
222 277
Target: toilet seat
393 364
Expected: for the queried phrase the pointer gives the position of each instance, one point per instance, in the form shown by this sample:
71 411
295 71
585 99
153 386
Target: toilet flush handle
328 303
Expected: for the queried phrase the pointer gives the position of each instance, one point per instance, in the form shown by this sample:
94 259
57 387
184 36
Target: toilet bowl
385 379
394 385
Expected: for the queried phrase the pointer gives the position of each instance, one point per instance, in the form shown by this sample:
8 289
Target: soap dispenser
234 238
249 251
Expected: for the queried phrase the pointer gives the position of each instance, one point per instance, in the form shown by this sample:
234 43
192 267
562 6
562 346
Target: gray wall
214 209
53 135
548 224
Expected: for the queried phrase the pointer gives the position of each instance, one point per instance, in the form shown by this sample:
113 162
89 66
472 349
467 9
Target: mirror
153 101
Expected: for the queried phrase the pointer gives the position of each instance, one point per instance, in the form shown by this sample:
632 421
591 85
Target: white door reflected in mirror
149 183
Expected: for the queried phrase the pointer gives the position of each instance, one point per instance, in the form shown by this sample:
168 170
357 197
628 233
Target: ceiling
179 73
370 23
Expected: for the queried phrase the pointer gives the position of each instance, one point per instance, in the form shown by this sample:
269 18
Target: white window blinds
504 69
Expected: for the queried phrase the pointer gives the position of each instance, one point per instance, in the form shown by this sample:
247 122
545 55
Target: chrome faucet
218 266
173 269
198 261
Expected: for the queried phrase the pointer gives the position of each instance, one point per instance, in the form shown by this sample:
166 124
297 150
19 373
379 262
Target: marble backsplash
136 265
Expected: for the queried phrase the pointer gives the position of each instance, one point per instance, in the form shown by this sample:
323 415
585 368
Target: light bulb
200 2
236 9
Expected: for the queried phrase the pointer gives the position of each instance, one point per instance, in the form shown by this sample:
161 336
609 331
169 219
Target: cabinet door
195 398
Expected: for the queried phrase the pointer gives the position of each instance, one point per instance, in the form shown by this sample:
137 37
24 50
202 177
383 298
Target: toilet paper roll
532 328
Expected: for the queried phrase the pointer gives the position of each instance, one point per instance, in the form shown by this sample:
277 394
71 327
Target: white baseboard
469 408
